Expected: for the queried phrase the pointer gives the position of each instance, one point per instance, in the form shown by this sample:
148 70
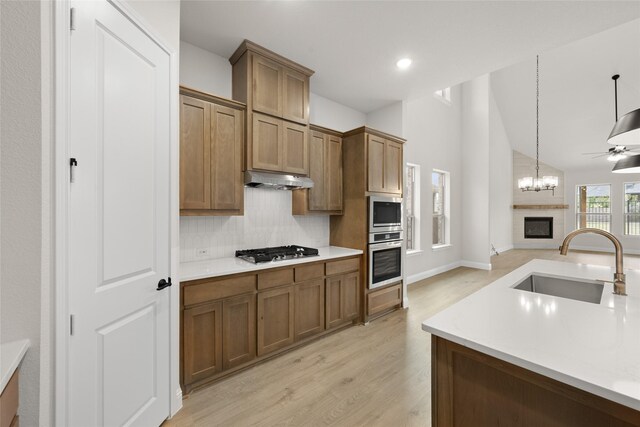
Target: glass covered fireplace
538 227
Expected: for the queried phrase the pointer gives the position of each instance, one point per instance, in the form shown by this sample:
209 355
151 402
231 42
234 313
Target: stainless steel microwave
385 214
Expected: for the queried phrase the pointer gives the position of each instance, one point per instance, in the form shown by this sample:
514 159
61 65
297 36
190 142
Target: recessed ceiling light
404 63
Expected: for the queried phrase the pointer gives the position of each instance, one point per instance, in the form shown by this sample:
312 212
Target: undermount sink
580 290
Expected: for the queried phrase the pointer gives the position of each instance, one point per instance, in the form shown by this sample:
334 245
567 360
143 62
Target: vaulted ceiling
576 97
353 45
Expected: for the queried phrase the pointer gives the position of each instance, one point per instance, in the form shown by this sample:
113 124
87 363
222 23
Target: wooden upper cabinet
375 163
195 152
211 154
325 169
333 173
295 96
295 148
275 87
267 149
267 93
384 165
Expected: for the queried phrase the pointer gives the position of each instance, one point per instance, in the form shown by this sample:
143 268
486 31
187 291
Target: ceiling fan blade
633 149
600 155
591 154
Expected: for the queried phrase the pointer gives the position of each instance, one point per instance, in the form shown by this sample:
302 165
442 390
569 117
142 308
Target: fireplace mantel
540 206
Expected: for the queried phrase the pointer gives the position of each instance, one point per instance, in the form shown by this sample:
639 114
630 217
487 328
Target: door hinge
72 19
71 325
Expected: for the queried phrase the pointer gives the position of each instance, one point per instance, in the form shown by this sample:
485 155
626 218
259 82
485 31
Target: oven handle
383 245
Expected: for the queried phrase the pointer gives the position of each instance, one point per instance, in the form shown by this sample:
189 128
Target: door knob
163 284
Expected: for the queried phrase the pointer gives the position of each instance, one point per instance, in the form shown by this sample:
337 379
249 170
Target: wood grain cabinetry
470 388
276 88
384 165
211 160
9 400
231 322
379 300
325 169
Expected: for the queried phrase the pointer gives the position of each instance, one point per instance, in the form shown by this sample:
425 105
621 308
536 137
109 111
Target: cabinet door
295 148
334 302
238 330
375 163
275 319
351 295
317 194
267 143
309 308
227 190
202 345
195 151
393 167
295 96
333 173
267 86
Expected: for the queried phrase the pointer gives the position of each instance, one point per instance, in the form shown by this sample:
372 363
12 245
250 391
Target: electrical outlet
202 252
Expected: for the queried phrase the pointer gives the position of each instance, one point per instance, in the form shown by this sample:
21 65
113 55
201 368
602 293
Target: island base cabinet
275 319
202 341
470 388
239 330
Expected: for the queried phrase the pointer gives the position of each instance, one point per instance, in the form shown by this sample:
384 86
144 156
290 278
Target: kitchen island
505 356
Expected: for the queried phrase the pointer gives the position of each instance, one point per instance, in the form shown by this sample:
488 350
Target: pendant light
547 182
626 131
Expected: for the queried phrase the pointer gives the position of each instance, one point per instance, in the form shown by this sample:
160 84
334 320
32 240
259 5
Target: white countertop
11 354
593 347
222 266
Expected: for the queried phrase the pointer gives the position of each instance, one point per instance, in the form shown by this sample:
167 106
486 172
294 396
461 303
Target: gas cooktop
277 253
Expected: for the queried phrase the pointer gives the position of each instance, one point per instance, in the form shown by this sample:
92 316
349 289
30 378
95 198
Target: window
412 207
632 208
444 95
593 206
440 192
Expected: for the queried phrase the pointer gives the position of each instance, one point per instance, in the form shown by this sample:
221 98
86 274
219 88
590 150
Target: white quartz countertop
593 347
222 266
11 355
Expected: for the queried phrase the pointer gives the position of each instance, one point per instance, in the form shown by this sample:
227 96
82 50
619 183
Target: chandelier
530 183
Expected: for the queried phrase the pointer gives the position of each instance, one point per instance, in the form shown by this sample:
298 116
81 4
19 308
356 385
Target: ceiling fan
614 153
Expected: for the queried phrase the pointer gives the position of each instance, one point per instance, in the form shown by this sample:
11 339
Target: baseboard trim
503 249
537 245
433 272
478 265
601 249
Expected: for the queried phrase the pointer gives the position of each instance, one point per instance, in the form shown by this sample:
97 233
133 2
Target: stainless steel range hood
276 181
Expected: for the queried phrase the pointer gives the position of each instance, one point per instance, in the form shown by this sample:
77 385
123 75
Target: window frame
577 205
446 205
414 228
624 210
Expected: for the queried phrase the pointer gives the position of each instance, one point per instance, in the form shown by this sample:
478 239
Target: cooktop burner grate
278 253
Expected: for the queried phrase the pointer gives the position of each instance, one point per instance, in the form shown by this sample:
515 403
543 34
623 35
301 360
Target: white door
118 247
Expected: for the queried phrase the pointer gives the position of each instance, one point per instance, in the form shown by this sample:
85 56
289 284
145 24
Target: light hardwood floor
374 375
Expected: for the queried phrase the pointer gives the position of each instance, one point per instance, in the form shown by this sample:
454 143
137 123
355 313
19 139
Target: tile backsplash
267 221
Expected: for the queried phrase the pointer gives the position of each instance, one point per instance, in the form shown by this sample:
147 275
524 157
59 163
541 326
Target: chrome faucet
619 283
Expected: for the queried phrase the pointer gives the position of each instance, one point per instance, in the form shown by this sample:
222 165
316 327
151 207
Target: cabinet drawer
272 279
343 266
9 402
309 272
216 289
384 299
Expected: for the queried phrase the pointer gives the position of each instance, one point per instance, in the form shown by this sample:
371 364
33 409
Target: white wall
388 119
631 244
327 113
20 191
434 141
475 172
500 181
204 70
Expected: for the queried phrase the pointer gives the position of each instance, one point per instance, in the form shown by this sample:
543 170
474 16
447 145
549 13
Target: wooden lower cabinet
238 330
202 335
275 319
342 293
309 309
470 388
384 299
